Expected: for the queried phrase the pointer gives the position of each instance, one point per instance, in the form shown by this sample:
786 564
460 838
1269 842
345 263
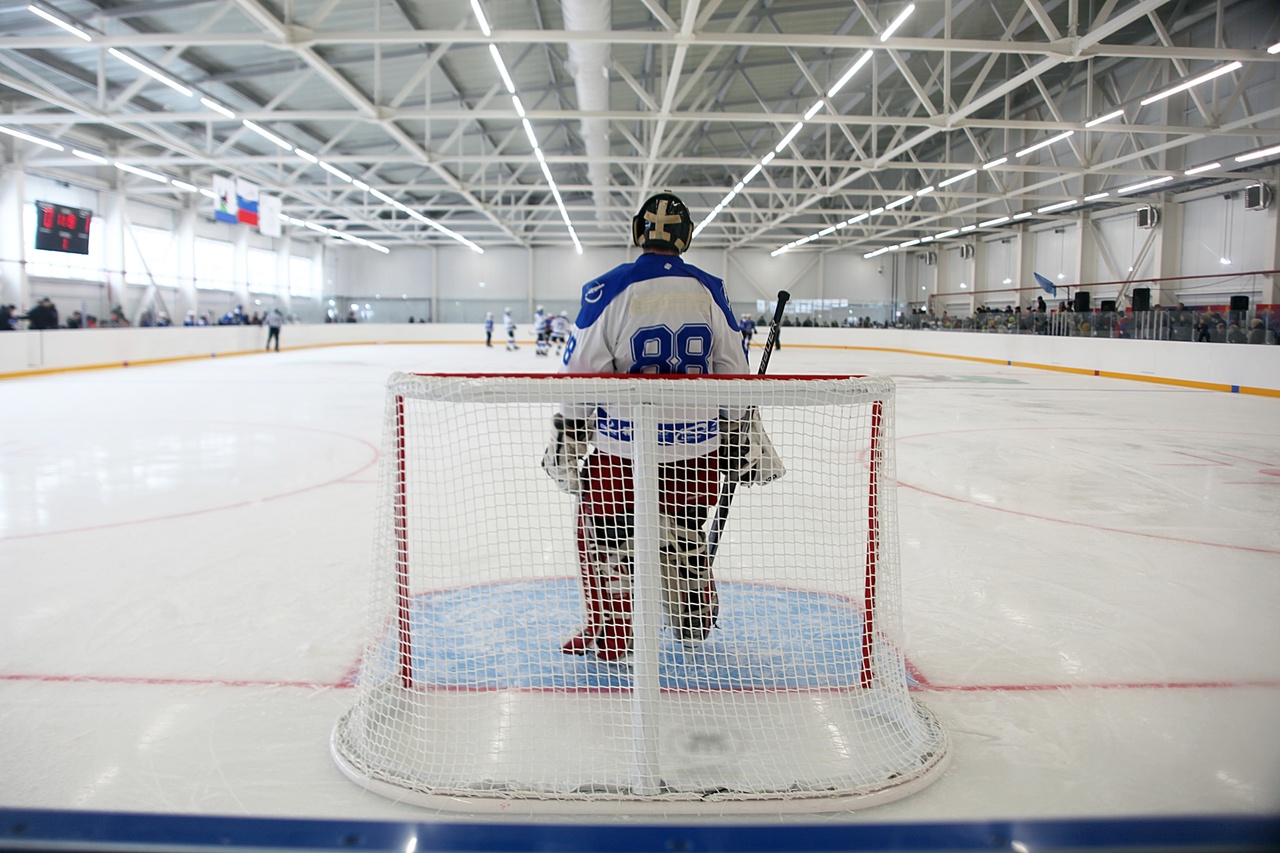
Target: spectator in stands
8 319
43 316
75 321
1235 335
1257 331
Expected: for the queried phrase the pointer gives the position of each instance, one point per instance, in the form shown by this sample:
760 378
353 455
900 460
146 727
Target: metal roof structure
790 125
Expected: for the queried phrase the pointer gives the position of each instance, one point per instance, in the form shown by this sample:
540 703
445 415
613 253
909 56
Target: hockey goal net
797 700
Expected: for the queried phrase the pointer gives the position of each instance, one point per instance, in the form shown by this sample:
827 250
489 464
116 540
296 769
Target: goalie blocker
605 520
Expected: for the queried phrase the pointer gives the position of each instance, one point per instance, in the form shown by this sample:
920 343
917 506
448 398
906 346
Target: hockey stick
728 487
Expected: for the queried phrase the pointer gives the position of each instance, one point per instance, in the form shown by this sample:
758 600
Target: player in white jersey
657 314
541 331
560 331
510 326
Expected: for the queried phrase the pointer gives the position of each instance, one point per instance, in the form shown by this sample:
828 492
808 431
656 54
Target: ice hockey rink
1090 567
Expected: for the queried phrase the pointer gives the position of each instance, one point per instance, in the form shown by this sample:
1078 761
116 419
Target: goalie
657 314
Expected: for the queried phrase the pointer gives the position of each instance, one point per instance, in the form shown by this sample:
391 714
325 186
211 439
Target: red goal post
797 699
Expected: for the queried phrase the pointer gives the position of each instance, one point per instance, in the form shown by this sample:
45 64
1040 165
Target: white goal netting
761 671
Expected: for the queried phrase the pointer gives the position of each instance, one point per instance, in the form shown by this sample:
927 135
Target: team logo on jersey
615 428
593 292
695 432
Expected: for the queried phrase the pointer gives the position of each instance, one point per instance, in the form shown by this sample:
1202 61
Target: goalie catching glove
564 454
746 454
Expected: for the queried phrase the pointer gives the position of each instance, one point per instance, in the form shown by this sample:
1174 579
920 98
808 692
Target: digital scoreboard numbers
62 229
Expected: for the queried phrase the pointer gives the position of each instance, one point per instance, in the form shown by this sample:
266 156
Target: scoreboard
62 229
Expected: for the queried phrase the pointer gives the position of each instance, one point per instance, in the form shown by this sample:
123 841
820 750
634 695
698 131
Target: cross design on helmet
661 219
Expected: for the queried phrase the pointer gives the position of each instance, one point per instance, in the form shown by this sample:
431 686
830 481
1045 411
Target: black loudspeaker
1240 303
1108 306
1082 301
1142 299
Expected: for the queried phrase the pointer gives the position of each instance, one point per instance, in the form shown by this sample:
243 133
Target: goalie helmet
663 223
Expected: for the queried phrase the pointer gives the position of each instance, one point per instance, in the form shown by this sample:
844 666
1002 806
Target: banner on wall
224 199
269 216
247 201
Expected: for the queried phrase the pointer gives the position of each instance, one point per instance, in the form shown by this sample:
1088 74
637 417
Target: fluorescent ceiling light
484 23
949 181
910 243
1207 167
528 131
58 22
184 186
515 101
1194 81
755 170
791 134
813 110
990 222
1042 143
876 252
502 69
29 138
154 176
1275 48
928 238
335 171
1096 196
967 229
945 234
1023 215
150 72
825 231
92 158
853 69
897 22
924 191
856 219
891 205
1133 188
266 134
310 158
217 107
1050 208
359 184
995 163
877 211
1103 119
1255 155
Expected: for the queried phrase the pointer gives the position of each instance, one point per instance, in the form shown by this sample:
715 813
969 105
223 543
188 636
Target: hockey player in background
657 314
542 329
560 331
510 326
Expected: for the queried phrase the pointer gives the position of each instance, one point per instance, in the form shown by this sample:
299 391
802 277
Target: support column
185 259
14 288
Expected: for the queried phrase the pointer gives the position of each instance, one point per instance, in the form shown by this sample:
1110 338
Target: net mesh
763 672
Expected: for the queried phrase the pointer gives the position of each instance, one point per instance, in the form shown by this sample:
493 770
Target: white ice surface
1091 571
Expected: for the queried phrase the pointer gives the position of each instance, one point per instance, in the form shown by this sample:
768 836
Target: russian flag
246 202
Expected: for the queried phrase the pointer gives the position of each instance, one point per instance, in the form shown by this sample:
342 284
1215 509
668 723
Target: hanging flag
1046 285
269 216
247 201
224 199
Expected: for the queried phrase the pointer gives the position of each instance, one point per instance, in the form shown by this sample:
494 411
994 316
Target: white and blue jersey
657 314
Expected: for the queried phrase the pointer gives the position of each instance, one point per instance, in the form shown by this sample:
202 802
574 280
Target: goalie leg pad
689 591
605 560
